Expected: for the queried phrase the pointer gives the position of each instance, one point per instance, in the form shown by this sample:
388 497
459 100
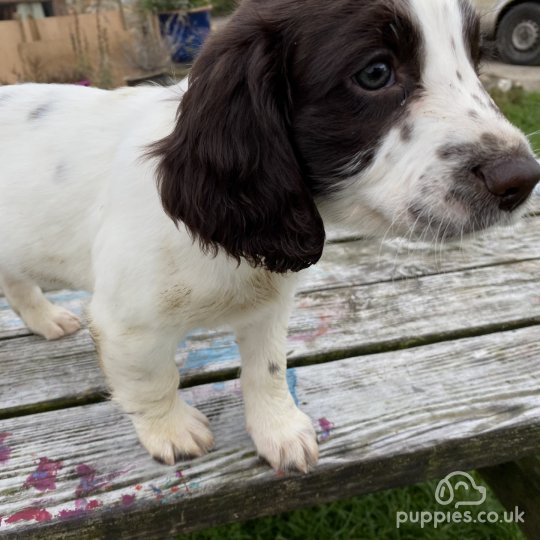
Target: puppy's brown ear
228 171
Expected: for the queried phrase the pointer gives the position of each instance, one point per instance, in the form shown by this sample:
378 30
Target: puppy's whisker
387 232
407 239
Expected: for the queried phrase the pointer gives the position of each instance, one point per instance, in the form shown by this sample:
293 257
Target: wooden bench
412 362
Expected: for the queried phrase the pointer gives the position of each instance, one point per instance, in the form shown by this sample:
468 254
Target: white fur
79 208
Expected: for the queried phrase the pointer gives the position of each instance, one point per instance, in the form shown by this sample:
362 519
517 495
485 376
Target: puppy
198 205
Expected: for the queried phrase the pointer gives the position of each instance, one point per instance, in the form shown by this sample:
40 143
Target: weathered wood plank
384 420
325 325
534 203
11 325
370 261
518 484
363 262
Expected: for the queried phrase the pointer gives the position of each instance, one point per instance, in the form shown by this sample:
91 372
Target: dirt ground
528 77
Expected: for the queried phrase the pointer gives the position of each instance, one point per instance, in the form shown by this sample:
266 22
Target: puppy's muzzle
511 181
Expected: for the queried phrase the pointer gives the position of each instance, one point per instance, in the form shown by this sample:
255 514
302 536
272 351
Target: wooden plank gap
397 279
229 374
53 405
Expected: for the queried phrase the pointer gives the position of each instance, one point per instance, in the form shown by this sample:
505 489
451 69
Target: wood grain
325 325
384 420
37 374
454 386
362 262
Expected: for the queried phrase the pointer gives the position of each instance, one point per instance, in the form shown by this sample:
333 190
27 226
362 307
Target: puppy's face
369 113
396 129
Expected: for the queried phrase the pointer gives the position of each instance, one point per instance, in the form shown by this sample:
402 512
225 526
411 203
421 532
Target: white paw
182 433
51 322
286 440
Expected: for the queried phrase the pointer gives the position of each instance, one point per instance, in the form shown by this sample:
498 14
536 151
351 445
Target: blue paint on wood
68 296
221 349
291 381
64 297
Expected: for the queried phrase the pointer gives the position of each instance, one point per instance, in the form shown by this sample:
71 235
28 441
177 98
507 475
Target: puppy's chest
220 302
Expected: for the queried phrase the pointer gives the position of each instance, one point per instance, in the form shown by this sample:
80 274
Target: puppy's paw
180 434
50 321
287 441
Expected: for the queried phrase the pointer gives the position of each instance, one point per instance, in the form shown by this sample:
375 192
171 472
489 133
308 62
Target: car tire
518 35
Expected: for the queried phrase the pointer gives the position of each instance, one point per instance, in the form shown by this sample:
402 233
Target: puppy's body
385 128
76 188
64 150
83 212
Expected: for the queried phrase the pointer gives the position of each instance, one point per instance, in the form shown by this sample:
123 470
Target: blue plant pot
185 32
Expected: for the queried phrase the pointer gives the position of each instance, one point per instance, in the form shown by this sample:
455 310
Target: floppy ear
228 171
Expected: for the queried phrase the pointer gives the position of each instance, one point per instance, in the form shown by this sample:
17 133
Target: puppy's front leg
282 433
138 362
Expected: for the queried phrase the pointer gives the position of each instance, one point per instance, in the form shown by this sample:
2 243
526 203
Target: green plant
523 109
161 6
223 7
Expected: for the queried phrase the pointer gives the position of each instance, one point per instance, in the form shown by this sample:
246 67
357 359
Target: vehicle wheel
518 35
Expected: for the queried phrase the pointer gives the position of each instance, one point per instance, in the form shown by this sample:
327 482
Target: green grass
373 517
523 110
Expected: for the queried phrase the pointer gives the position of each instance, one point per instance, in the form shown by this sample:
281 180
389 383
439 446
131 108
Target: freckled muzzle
490 176
485 184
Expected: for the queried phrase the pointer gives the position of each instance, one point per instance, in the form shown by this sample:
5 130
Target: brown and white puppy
299 114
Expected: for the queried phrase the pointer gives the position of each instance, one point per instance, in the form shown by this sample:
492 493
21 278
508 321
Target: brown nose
511 180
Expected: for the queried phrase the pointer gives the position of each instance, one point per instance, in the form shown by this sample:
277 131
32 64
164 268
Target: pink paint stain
326 427
5 451
179 475
44 477
322 328
82 507
91 481
128 499
30 514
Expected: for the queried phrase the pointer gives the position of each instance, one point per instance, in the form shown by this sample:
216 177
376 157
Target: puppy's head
369 113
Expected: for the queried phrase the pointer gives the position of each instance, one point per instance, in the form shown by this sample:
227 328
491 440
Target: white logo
446 490
447 493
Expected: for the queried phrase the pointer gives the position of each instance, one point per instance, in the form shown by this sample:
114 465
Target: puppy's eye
375 76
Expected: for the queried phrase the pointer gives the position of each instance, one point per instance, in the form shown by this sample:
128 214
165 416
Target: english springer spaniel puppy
198 205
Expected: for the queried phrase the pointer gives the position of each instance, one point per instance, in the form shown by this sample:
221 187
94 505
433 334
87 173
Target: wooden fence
94 46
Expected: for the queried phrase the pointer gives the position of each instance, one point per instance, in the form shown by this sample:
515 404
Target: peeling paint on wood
324 326
396 418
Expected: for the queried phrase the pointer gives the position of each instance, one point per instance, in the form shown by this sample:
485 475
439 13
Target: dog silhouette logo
447 489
